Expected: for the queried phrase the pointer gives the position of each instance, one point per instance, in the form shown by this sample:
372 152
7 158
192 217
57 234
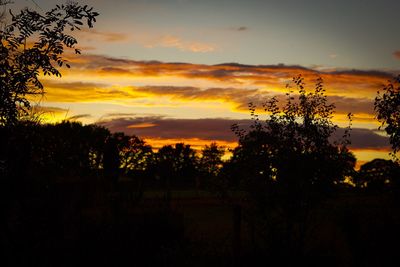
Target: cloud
232 84
233 73
167 128
172 41
78 117
242 97
114 70
217 129
368 139
82 92
141 125
47 109
238 98
233 95
351 104
92 35
239 29
396 54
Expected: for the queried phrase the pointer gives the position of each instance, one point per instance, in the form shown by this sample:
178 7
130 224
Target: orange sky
153 68
201 101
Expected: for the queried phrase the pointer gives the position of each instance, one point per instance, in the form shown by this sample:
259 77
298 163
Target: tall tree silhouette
34 43
387 107
287 162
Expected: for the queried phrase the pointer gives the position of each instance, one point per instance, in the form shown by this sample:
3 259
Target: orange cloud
141 125
95 78
396 54
92 35
82 92
240 98
346 82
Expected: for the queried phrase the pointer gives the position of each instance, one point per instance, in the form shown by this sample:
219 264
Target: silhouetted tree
378 174
287 163
33 43
292 147
210 164
66 149
177 165
387 107
111 159
136 158
135 154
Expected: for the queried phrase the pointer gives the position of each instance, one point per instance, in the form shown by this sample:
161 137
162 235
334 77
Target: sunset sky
185 70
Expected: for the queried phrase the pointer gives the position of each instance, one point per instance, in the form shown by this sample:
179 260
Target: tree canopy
293 147
31 44
387 108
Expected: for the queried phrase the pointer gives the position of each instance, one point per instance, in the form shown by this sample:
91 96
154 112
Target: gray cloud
257 74
48 109
218 129
365 138
78 117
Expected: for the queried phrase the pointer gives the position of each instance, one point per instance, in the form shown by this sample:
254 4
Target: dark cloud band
218 129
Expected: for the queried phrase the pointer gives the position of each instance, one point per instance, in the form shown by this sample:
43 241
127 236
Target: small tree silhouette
135 154
210 164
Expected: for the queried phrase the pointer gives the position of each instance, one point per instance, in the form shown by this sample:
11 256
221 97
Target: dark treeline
72 151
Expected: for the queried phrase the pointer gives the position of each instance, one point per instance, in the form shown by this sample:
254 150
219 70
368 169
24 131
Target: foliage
32 44
211 159
387 108
210 164
41 154
134 153
293 147
287 164
378 174
177 165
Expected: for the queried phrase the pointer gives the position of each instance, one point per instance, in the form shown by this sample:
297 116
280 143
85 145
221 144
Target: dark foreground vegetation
78 195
